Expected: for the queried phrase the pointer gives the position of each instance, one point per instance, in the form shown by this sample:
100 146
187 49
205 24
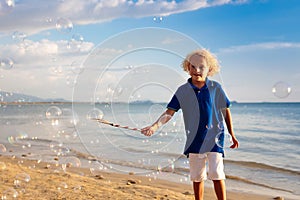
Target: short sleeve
222 100
174 104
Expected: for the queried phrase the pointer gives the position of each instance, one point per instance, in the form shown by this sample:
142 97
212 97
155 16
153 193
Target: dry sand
78 183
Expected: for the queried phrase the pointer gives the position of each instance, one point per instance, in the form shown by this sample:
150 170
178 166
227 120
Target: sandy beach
37 181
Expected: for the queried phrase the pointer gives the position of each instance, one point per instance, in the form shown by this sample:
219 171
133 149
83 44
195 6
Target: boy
204 105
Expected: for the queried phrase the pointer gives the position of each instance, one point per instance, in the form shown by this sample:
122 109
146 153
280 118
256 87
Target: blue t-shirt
201 108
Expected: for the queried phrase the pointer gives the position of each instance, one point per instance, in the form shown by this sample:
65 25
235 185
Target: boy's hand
149 130
235 143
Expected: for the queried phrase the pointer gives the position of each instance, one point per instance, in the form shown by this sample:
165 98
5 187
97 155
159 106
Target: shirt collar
207 82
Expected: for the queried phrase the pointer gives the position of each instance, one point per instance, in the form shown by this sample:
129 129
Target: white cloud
37 15
39 54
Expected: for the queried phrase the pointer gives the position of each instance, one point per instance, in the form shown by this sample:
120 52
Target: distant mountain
10 97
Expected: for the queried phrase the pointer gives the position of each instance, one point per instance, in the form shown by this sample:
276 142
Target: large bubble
130 80
6 63
281 89
10 193
64 25
18 36
6 6
223 140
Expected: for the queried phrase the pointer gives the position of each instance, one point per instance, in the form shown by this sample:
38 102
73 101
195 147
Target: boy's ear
188 66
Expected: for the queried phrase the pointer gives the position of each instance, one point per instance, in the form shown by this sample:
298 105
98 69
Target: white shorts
198 166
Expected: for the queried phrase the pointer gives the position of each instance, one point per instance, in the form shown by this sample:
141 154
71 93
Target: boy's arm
164 118
228 120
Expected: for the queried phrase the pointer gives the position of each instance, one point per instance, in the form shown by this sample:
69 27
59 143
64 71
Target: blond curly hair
211 61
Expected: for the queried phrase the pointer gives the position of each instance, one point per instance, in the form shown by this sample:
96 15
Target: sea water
267 159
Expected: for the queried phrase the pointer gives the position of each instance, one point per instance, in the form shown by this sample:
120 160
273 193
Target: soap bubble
95 167
18 36
21 180
77 37
157 19
71 81
223 140
11 140
2 148
48 20
75 42
76 67
64 25
6 6
53 112
163 119
281 89
10 193
10 3
6 63
62 185
67 162
95 113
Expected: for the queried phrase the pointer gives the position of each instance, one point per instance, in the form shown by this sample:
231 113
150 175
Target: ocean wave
257 165
244 180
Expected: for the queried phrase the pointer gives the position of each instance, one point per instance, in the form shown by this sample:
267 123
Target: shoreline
80 183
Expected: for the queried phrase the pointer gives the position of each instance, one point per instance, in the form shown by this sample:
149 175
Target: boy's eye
195 67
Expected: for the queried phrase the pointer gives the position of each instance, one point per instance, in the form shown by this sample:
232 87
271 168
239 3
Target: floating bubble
18 36
76 67
58 70
209 126
67 162
71 81
158 19
95 113
95 168
77 37
58 149
11 140
64 25
21 180
281 89
6 6
129 67
10 3
10 193
6 63
223 140
62 186
163 119
77 188
221 125
48 20
53 112
2 148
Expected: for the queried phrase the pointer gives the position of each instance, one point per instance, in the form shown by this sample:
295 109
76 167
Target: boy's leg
198 173
216 173
220 189
198 190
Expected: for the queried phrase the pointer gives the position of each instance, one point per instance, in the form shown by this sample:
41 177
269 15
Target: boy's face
198 68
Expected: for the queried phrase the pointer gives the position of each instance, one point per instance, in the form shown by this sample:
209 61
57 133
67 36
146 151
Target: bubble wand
102 121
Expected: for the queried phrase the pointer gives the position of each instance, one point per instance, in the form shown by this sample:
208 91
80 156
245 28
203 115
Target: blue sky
256 41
